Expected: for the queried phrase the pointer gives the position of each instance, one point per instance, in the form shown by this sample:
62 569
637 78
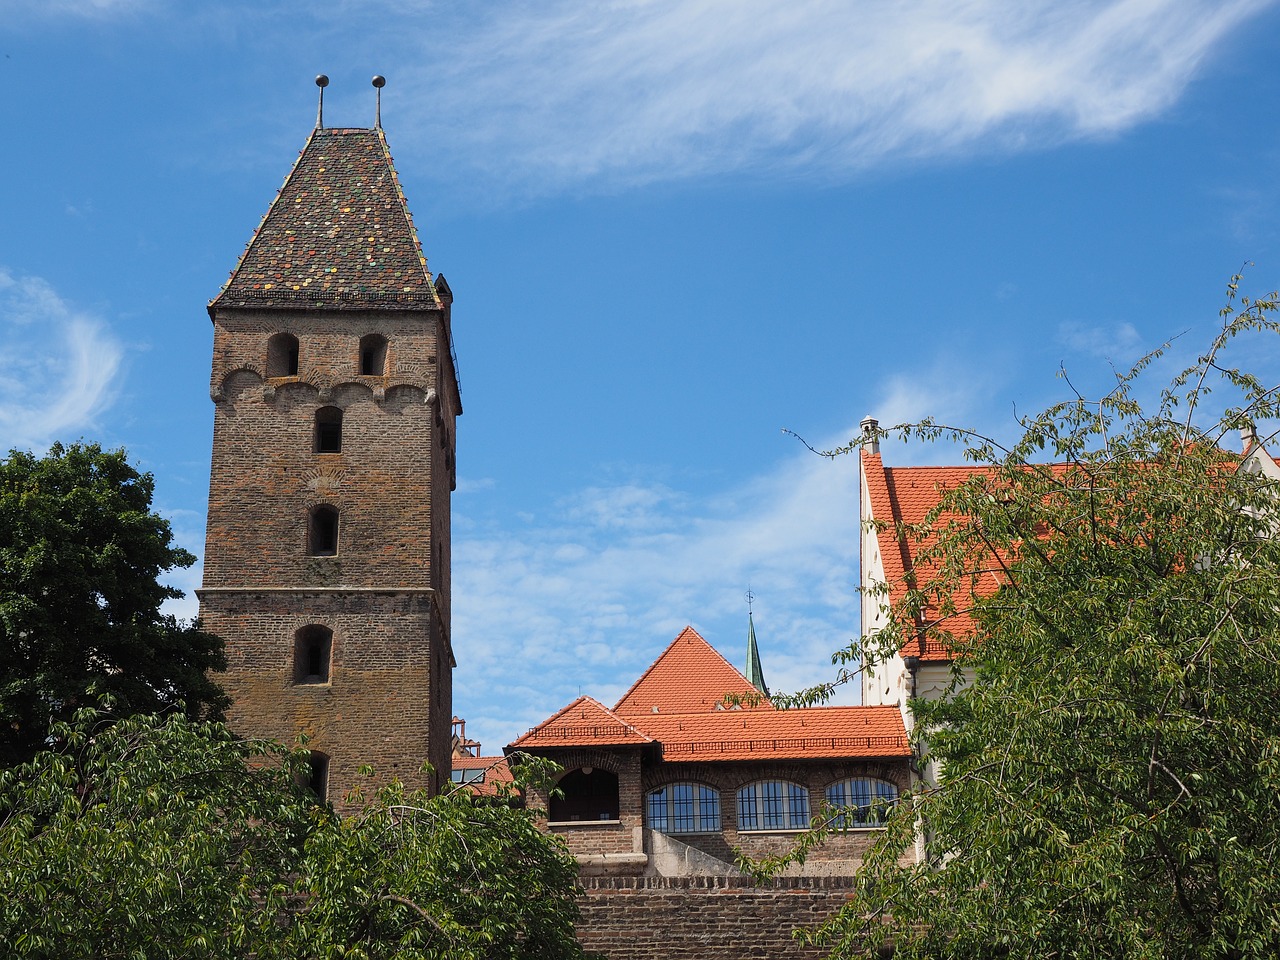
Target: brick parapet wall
705 918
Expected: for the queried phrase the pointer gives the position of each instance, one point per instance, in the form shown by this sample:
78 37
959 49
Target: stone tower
335 394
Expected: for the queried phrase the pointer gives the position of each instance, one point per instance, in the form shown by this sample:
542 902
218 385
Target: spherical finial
322 81
379 81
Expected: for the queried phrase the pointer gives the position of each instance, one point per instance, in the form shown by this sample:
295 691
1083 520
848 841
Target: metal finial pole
379 82
321 81
750 596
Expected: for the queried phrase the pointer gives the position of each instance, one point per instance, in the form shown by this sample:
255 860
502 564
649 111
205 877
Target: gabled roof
690 676
338 235
690 672
585 722
807 733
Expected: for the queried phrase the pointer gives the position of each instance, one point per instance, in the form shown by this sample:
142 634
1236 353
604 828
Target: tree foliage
81 554
1110 748
163 837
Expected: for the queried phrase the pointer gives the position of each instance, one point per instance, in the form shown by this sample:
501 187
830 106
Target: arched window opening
373 355
862 802
318 777
684 808
773 805
328 430
312 653
589 794
323 536
282 355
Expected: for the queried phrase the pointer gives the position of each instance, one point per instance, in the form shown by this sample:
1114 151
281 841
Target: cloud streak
614 92
585 600
60 368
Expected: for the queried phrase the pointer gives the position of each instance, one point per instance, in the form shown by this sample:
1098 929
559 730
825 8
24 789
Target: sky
674 231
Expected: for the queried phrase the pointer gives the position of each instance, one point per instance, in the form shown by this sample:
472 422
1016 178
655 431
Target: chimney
1249 436
870 434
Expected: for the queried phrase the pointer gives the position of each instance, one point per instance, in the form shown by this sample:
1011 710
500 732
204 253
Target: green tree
81 554
1110 749
163 837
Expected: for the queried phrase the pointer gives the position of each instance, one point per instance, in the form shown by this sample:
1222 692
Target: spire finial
321 81
754 672
379 82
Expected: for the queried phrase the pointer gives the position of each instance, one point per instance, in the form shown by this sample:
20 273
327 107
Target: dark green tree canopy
1109 754
81 556
163 837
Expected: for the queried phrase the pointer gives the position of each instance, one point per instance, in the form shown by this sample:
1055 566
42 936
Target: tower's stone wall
383 593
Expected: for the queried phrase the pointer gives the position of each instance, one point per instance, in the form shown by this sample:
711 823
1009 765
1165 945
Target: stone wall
704 918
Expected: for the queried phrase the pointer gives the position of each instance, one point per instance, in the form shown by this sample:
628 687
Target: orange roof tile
808 733
688 677
906 495
585 722
494 769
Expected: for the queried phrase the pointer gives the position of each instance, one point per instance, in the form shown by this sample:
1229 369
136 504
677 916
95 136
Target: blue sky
672 230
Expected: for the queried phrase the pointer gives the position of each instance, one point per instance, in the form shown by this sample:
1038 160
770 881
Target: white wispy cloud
60 364
612 92
585 600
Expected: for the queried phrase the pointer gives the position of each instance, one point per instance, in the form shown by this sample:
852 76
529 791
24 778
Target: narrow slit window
328 430
312 654
373 355
318 780
324 532
282 355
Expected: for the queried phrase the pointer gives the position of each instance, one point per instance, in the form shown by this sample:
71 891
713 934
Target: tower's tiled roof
338 236
689 677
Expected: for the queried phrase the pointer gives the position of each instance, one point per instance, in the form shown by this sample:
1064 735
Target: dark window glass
328 430
324 532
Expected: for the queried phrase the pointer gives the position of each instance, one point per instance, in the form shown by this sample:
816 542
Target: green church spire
755 672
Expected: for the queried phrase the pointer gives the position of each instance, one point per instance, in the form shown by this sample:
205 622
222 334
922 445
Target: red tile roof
807 733
585 722
692 675
495 771
338 235
689 677
905 495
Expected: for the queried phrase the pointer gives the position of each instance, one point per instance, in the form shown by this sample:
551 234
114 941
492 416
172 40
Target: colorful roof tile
338 235
689 677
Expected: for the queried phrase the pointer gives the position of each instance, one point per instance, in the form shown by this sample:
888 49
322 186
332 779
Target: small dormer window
282 355
373 355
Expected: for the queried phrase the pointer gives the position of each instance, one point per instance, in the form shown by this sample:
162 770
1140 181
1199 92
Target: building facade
694 763
335 397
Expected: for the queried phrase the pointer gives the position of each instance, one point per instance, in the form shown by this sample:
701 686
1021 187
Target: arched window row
283 355
684 808
768 805
861 801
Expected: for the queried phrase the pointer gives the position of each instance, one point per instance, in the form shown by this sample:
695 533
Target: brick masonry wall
704 918
388 702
